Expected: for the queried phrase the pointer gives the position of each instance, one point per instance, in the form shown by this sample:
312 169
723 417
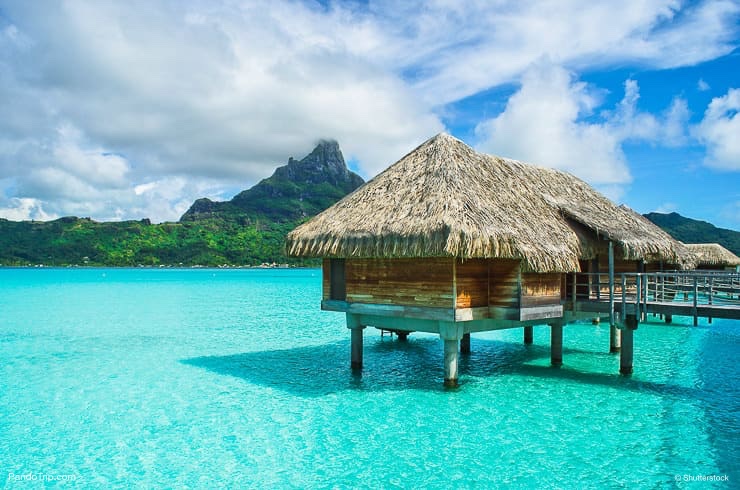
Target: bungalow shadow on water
316 371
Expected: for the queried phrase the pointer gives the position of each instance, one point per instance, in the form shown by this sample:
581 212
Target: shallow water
213 378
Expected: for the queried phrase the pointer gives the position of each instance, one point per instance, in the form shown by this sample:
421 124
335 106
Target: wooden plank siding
408 282
325 279
620 265
540 289
592 287
505 283
662 266
471 283
429 287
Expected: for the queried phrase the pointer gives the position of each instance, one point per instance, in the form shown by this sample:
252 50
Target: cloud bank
133 110
550 121
720 131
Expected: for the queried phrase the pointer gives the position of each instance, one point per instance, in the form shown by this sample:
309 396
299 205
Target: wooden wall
471 283
325 279
504 287
540 289
661 266
407 282
429 282
620 265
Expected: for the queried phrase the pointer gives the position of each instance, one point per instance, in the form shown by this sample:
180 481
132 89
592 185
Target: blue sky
128 110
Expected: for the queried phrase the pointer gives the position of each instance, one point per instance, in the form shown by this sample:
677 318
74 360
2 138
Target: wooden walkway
697 294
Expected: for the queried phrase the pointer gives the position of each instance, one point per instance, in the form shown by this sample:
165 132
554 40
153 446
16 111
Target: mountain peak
299 189
325 162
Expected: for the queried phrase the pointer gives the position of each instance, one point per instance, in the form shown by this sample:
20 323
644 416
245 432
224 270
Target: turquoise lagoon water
235 378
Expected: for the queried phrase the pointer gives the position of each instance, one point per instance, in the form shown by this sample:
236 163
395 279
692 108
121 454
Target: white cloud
142 188
102 98
94 165
495 43
541 124
720 131
550 121
205 91
627 122
165 199
674 128
25 209
168 198
702 86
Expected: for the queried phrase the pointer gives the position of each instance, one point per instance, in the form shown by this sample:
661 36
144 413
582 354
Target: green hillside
694 231
295 191
81 241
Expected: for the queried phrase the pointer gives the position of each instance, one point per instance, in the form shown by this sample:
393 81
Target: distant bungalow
714 256
451 241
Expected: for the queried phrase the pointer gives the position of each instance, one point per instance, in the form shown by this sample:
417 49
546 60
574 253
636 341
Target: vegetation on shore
81 241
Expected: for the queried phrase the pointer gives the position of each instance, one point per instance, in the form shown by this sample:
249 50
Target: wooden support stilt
353 323
615 339
645 285
627 352
711 294
696 301
451 358
574 292
465 344
452 334
638 301
556 344
528 335
614 334
668 318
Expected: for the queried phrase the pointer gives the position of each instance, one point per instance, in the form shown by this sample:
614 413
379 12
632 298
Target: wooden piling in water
627 352
528 335
465 344
615 339
356 341
451 362
556 344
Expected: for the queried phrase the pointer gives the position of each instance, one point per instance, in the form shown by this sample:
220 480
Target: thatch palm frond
713 254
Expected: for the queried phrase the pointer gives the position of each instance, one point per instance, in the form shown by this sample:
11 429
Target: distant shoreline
157 267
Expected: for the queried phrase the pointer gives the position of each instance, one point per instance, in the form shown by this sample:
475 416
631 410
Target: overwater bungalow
713 256
451 241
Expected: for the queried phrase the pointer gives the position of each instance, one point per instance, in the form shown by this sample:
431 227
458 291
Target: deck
697 294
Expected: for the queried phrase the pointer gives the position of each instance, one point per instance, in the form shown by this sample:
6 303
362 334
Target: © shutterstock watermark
30 476
702 478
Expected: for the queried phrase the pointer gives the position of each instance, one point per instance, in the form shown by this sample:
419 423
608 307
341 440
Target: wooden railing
711 294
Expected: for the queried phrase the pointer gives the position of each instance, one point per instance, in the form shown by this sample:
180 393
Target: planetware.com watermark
701 478
30 476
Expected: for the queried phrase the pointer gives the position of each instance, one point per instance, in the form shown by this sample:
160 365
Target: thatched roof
713 254
445 199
